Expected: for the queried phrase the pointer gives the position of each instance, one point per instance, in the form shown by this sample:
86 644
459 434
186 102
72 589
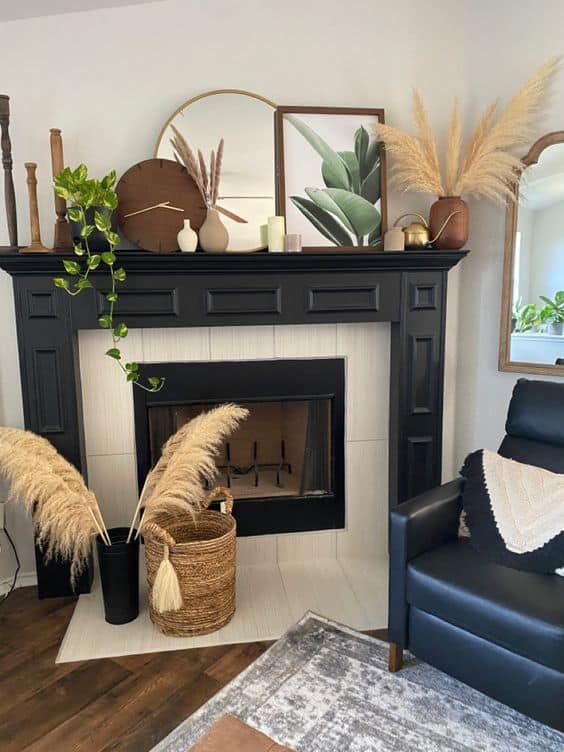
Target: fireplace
285 465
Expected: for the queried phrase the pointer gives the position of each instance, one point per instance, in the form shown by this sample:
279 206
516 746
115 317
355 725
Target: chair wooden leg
395 658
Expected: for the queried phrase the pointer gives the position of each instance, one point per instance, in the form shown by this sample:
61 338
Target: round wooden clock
155 197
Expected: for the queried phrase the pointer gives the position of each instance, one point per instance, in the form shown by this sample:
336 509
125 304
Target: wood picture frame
511 215
338 221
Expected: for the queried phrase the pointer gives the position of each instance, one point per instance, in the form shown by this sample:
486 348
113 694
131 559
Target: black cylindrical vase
119 573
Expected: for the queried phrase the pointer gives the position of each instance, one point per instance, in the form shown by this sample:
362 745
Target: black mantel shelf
142 262
406 289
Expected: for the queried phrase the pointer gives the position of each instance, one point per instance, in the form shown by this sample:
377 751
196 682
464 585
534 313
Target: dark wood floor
121 704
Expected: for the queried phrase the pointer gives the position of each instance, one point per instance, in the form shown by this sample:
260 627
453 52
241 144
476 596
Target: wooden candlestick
9 195
63 233
36 245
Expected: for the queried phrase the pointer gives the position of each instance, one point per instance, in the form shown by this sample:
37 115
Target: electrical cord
13 585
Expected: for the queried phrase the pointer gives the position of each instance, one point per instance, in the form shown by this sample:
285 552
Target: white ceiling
12 10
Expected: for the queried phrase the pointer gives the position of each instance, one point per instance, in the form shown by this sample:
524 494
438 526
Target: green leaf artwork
85 193
347 210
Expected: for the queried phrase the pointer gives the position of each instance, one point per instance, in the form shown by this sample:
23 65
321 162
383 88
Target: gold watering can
417 233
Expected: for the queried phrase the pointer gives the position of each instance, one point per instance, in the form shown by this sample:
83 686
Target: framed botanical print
331 177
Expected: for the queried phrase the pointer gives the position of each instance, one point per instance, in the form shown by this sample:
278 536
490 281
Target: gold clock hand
172 208
163 205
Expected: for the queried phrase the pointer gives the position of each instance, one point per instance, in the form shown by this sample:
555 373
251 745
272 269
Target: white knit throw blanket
527 502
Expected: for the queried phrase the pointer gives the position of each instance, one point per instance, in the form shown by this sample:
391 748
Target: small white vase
213 233
187 238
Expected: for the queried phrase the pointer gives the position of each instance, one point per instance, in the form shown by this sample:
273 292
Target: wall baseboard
25 579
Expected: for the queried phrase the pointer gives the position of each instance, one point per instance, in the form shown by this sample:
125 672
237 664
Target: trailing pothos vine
94 201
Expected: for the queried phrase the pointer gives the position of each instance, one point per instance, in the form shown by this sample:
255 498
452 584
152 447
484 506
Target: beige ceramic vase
213 233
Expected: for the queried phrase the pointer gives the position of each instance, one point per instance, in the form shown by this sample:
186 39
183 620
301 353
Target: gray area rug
325 688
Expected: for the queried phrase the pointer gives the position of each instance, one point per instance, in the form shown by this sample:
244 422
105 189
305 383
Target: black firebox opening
285 465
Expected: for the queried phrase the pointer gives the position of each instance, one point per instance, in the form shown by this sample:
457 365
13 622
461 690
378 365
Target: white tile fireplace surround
342 574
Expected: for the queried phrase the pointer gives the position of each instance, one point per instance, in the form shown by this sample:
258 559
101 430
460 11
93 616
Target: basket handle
216 493
152 530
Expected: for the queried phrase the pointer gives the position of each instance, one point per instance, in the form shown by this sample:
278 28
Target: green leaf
132 366
349 158
61 282
109 258
80 174
367 152
94 261
86 231
112 297
370 189
71 267
372 158
83 284
559 297
154 381
110 200
75 213
363 216
361 139
101 221
335 169
323 221
120 275
112 237
321 197
133 376
109 180
114 353
79 250
105 321
63 192
121 330
375 238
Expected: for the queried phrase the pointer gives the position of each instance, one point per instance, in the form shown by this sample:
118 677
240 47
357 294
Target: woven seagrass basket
202 551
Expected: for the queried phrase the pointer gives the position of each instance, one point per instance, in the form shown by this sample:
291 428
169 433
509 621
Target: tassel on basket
166 595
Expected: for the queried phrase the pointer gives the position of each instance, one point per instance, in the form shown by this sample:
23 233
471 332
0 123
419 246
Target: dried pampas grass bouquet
485 168
66 514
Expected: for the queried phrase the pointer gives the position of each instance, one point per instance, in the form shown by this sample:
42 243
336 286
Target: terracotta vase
455 233
213 234
187 238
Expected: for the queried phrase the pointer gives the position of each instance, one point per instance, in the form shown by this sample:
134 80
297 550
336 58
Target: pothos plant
92 200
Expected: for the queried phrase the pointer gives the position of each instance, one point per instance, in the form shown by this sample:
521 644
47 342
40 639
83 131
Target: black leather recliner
500 630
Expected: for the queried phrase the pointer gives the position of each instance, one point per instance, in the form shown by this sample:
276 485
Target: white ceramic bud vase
187 237
214 237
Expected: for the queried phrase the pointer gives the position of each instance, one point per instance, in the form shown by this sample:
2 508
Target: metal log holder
232 472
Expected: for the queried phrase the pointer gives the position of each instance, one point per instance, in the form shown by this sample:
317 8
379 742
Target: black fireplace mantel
407 289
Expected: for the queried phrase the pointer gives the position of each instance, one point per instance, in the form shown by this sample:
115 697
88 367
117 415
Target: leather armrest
416 526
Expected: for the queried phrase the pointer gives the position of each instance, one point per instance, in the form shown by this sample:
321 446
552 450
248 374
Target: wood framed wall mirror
532 316
245 121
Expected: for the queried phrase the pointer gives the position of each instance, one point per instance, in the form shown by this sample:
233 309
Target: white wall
120 73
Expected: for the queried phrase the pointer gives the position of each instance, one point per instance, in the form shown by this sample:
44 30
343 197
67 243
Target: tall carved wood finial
9 194
63 234
36 246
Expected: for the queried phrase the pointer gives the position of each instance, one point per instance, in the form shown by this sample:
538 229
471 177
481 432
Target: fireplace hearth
285 465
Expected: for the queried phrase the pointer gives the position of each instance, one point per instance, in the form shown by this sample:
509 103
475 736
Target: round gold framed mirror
245 121
532 310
